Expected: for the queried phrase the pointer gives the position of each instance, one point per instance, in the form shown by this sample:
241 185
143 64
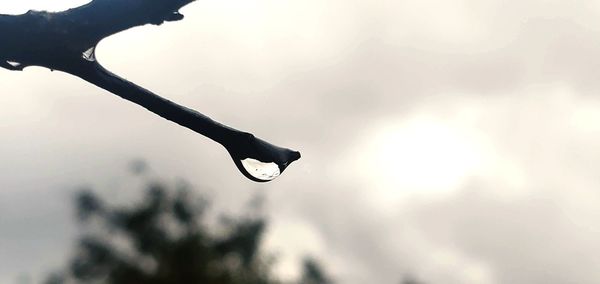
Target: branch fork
66 41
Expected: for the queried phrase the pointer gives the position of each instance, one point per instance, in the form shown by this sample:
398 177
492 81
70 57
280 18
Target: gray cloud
321 77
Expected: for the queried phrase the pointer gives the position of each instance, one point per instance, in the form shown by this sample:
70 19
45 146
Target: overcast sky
453 140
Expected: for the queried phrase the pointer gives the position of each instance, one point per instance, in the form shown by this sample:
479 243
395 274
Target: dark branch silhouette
66 41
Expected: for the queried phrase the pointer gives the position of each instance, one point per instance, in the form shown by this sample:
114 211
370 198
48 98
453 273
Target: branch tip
176 16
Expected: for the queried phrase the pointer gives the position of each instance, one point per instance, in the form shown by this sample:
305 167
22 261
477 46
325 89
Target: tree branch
66 41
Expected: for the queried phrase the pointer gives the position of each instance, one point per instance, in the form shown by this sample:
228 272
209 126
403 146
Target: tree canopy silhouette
166 238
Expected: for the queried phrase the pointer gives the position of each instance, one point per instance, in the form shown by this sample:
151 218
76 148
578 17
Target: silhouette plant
166 238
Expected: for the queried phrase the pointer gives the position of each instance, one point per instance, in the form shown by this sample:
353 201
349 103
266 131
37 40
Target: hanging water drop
257 159
90 54
260 170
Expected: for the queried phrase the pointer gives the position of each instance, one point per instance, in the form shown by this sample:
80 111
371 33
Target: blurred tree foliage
166 239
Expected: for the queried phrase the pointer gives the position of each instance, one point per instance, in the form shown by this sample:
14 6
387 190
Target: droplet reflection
14 63
90 54
260 170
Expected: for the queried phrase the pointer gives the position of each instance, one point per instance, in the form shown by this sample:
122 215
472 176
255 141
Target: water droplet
260 170
90 54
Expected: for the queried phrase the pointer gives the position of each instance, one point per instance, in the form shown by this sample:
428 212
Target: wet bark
66 41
